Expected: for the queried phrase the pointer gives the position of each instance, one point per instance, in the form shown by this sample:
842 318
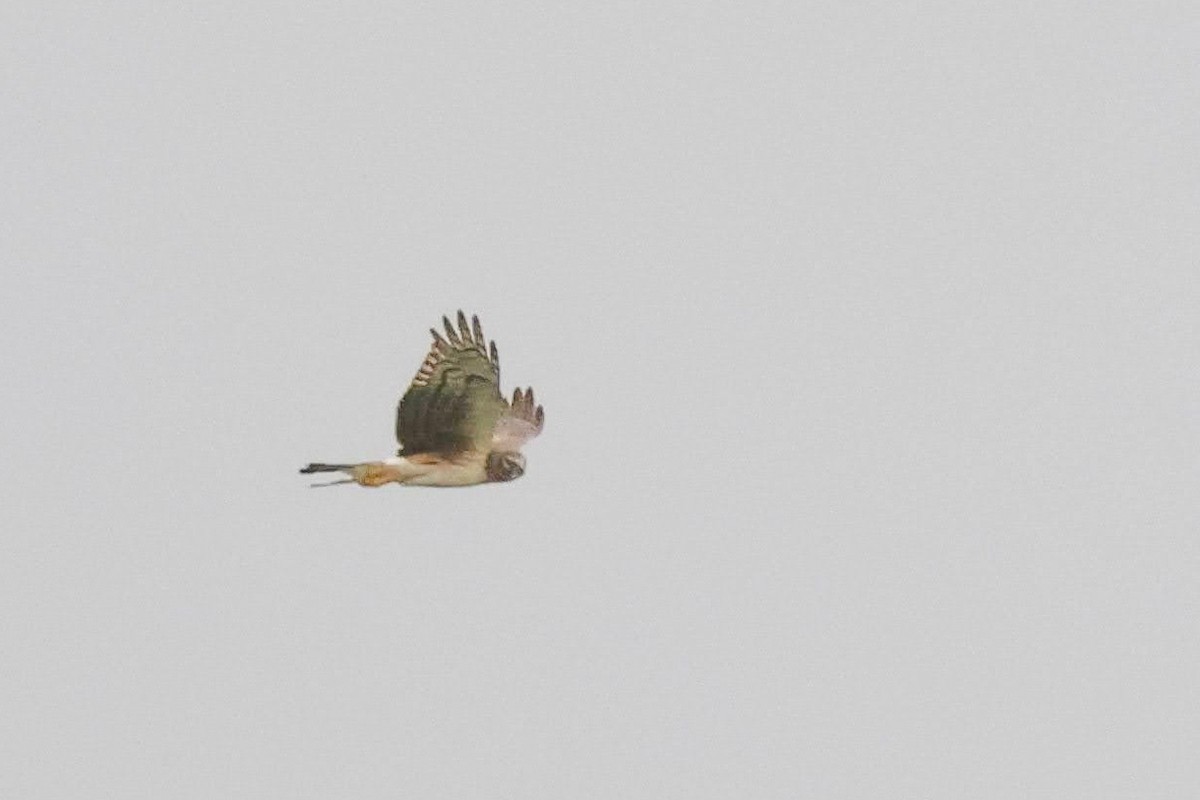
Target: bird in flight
453 425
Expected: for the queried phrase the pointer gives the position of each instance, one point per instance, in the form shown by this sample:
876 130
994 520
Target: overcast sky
866 332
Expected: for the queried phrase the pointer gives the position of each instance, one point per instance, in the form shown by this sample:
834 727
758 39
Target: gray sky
867 337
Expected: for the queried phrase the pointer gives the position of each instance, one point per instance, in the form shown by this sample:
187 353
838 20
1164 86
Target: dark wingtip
477 329
451 334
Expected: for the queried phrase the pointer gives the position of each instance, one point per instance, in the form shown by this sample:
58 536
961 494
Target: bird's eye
505 466
515 467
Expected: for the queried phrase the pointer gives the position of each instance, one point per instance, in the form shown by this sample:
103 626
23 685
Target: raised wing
519 423
454 401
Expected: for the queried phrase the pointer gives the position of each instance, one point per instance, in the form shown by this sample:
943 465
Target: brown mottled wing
519 423
454 401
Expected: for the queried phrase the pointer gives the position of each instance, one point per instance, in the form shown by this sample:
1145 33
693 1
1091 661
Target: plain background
867 335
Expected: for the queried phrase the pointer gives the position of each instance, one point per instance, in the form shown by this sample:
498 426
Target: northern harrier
453 425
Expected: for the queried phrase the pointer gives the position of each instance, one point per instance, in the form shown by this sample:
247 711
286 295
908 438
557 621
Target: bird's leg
368 473
331 483
373 473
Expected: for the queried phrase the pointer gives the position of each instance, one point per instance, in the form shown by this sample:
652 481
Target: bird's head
505 465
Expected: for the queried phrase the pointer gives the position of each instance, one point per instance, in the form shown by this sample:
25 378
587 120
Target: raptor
453 425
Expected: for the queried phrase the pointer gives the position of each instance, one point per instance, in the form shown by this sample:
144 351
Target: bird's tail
311 468
347 468
369 473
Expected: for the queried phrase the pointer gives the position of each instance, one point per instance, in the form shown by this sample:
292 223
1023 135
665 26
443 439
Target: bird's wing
454 401
519 423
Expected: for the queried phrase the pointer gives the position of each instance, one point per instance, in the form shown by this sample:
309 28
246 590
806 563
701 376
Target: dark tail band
311 468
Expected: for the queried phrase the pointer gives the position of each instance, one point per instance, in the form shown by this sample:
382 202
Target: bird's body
453 425
467 469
